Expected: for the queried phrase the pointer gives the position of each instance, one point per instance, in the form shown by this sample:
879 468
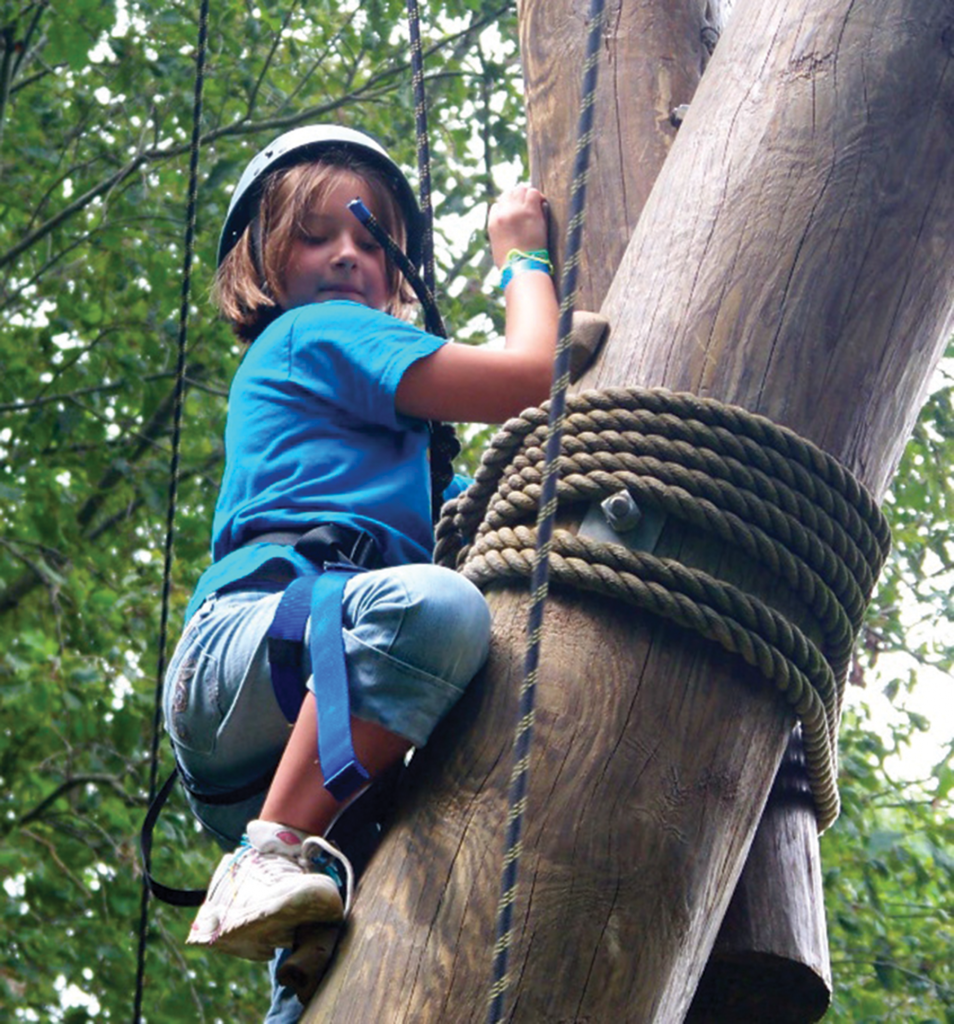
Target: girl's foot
275 881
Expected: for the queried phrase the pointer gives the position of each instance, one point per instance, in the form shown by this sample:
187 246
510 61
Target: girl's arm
463 383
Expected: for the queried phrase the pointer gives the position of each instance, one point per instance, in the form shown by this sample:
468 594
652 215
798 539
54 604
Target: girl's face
334 256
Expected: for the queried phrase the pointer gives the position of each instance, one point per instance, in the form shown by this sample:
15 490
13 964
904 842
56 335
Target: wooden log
808 253
655 54
419 950
886 141
770 960
659 52
654 755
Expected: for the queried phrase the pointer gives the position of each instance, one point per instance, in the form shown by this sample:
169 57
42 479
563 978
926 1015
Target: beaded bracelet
518 262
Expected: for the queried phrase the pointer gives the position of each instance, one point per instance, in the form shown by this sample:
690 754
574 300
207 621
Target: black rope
423 144
433 321
179 393
539 583
445 446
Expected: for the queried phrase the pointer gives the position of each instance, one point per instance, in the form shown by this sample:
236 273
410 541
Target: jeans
285 1008
414 637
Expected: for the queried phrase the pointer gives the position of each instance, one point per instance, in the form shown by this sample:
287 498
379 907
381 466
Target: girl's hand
486 384
518 220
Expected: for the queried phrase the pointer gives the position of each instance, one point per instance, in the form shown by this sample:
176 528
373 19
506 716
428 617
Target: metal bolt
621 511
678 114
709 36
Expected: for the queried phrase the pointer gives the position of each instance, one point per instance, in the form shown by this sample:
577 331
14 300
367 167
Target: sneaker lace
317 854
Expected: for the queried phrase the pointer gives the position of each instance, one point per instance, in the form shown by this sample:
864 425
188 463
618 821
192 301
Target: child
327 465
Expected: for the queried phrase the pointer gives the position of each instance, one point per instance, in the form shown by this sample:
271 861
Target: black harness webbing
168 894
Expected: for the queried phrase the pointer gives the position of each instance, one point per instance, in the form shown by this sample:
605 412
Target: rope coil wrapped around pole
737 476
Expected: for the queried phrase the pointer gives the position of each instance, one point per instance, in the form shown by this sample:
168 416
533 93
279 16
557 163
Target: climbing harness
318 596
336 553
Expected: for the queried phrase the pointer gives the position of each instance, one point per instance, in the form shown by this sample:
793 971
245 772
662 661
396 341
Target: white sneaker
260 893
319 855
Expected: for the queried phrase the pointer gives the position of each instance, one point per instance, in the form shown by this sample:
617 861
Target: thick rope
793 509
178 398
546 517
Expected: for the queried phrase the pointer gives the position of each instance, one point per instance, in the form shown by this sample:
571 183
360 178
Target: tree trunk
797 244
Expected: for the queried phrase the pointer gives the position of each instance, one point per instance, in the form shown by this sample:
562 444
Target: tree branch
147 440
276 40
317 62
119 385
6 74
93 779
75 207
28 35
24 83
109 522
35 403
42 574
16 591
55 857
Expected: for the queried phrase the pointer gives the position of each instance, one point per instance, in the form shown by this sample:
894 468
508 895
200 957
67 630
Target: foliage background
95 115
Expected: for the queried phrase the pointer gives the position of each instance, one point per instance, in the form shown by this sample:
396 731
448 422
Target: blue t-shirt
313 436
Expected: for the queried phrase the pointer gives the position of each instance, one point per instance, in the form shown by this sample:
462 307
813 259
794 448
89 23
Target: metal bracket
618 519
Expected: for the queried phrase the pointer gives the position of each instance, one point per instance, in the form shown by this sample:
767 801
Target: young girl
296 666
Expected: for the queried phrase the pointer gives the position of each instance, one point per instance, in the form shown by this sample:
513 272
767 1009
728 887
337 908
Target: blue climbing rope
546 515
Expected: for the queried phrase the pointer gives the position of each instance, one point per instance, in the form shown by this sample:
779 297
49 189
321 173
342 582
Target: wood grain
653 59
806 268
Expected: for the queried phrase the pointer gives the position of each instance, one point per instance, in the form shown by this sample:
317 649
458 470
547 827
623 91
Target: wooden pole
773 938
833 181
824 147
835 326
770 960
655 54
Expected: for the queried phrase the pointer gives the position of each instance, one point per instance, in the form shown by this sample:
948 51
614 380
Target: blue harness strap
319 596
285 644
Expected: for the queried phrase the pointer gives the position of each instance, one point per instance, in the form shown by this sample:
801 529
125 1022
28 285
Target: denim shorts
414 637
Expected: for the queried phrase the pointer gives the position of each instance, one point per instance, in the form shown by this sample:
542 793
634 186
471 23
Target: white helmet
300 145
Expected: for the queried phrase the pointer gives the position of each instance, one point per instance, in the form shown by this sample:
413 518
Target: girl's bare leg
297 796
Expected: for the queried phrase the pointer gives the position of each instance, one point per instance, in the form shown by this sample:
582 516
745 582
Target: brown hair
252 274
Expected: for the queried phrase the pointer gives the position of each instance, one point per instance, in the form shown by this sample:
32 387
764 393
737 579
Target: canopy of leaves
96 104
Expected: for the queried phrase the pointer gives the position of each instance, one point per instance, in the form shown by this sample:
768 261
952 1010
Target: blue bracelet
521 265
